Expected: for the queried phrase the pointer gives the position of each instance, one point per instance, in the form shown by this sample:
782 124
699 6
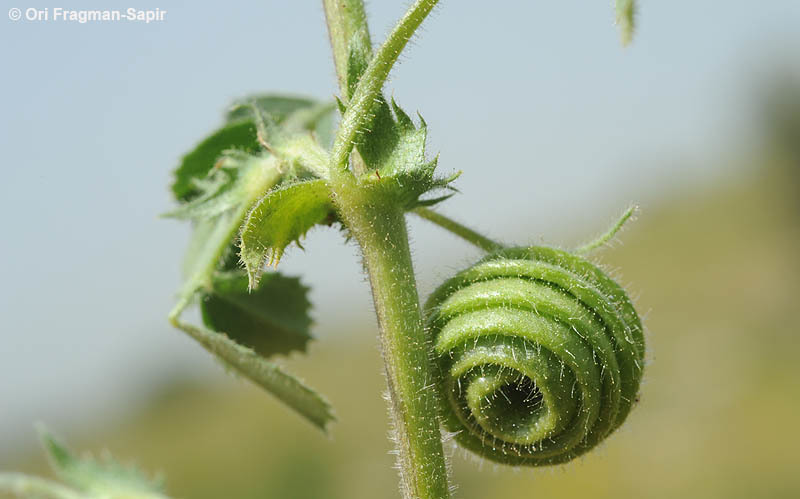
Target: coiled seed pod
539 355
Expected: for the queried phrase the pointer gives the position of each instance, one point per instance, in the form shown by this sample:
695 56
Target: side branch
346 19
371 83
462 231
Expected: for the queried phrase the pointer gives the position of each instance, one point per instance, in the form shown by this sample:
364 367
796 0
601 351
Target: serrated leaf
106 478
399 161
380 138
268 375
408 154
391 146
281 217
272 319
383 135
198 163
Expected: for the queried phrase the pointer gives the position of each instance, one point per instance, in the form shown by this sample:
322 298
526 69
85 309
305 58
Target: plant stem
369 86
609 234
346 19
458 229
379 226
380 229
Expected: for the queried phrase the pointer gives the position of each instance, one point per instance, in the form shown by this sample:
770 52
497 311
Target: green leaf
268 375
293 114
239 133
198 163
378 143
216 232
408 154
279 107
272 319
106 478
299 152
22 485
625 12
207 246
216 194
317 119
281 217
395 149
358 57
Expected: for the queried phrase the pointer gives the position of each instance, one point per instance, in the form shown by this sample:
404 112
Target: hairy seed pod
539 355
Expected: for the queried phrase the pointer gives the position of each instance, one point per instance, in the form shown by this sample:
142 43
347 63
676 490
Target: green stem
609 234
380 229
369 86
346 19
458 229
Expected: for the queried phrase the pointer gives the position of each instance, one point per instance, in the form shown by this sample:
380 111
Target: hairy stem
607 236
380 230
379 227
458 229
371 83
346 19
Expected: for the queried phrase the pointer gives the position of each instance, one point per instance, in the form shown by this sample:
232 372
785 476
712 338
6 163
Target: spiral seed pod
539 355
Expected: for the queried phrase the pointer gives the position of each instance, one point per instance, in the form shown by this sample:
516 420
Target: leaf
215 195
279 107
298 151
214 233
292 114
272 319
403 171
625 13
358 57
106 478
408 154
380 138
392 147
208 249
317 119
198 163
22 485
281 217
239 133
268 375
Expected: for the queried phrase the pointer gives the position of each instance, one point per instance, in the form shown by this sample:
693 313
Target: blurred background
698 122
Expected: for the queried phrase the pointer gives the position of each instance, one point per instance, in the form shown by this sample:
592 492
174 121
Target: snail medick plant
532 356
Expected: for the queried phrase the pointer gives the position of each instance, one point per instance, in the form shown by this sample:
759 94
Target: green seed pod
539 355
